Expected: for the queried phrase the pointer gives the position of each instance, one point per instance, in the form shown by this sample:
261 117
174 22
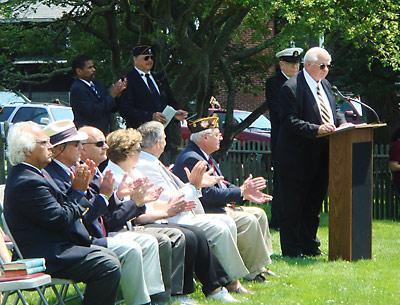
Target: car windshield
62 113
261 123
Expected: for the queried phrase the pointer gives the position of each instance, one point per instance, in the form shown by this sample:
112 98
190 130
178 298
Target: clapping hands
200 177
252 190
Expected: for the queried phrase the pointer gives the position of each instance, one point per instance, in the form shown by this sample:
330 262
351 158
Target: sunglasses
147 57
323 66
97 144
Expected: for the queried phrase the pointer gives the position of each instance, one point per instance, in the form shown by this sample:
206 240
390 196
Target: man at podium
307 110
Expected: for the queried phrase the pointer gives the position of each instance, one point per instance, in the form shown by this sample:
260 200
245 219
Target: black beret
142 50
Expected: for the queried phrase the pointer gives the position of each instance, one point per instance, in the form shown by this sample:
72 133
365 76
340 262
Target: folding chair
37 283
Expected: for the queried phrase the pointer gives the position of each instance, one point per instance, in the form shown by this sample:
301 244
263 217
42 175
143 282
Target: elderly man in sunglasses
307 110
148 94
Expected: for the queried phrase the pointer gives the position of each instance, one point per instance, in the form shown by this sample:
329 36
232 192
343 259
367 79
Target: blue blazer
90 109
40 218
97 205
214 198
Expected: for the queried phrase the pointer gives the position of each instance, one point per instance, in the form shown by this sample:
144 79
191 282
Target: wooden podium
350 192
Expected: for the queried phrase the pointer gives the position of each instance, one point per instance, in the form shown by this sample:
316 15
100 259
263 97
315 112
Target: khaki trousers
253 238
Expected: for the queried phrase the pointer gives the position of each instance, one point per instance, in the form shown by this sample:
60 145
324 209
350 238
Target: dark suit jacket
214 198
272 87
97 205
40 218
137 103
298 148
90 109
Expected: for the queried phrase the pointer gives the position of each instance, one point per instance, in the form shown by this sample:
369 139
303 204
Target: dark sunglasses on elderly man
323 66
147 57
97 144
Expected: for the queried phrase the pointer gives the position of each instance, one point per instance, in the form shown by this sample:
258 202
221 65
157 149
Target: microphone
348 99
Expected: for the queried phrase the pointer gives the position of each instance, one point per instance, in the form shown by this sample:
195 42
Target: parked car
12 97
42 114
259 130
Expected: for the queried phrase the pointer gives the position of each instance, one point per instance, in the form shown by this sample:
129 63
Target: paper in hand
169 113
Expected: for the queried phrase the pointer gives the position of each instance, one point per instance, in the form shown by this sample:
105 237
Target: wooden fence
252 157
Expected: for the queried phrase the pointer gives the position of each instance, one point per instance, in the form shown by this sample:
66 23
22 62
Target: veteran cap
200 124
290 54
142 50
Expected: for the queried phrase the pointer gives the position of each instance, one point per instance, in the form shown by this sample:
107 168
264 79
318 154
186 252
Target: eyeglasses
323 66
147 57
97 144
43 142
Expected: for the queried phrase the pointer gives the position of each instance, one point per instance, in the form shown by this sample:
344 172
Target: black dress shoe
313 252
260 278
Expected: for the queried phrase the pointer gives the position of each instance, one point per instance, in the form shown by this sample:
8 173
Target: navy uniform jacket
90 109
137 104
272 87
40 218
298 149
214 198
97 205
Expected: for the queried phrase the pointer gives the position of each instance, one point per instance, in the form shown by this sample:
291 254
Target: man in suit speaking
307 110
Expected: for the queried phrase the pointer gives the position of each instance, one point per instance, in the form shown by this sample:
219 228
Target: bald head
95 147
317 62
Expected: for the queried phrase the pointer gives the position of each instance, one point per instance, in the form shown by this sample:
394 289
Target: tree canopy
205 45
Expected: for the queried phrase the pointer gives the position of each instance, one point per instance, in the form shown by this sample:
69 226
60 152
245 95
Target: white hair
152 132
20 140
312 55
195 137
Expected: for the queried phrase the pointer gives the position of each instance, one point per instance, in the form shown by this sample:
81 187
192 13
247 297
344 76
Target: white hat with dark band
64 131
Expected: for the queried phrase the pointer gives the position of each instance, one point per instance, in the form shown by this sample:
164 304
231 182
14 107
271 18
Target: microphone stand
350 99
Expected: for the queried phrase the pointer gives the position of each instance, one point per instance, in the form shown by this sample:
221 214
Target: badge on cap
290 54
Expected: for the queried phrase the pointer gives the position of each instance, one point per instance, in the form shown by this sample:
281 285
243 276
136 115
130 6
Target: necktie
93 87
103 227
324 111
216 172
150 84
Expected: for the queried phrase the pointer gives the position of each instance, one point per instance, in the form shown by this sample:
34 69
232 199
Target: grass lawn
317 281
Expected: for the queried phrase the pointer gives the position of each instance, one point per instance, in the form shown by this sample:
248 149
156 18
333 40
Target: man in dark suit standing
307 110
289 63
91 102
40 218
146 97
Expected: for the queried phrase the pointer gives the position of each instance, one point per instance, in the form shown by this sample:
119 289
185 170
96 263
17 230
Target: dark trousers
200 260
301 205
275 204
100 271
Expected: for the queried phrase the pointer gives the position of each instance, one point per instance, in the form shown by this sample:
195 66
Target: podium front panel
361 201
350 194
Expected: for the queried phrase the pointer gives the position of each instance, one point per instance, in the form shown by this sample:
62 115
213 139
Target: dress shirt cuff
117 200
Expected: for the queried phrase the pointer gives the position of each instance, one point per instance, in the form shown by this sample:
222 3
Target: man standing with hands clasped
307 110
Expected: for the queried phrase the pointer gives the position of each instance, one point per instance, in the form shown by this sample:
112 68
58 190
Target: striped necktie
324 110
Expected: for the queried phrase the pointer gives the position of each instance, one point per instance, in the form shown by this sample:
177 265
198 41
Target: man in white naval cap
289 63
